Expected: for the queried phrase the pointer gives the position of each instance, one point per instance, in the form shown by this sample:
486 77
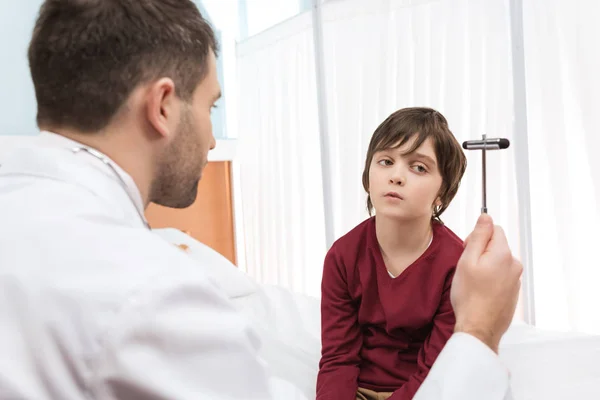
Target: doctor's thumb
484 222
479 239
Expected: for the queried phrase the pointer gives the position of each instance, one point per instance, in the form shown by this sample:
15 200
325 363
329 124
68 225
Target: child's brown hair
425 123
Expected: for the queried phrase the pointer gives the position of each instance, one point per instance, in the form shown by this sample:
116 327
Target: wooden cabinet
210 218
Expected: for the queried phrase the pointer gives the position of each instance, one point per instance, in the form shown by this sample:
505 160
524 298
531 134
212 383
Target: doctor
92 303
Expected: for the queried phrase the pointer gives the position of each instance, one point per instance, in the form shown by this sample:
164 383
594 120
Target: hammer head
487 144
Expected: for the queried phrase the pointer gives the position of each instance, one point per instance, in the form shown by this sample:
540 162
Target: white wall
17 103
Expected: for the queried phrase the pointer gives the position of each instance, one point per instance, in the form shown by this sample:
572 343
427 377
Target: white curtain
452 55
562 65
279 157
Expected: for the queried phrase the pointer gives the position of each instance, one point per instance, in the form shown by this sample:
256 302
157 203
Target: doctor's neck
131 152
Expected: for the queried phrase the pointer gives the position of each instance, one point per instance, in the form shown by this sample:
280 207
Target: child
386 311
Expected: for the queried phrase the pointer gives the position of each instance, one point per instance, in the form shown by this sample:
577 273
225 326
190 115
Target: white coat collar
51 156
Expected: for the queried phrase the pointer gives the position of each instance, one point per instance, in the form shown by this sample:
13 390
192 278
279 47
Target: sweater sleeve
340 335
443 327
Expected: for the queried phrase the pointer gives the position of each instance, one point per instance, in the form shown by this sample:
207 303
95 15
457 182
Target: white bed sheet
544 365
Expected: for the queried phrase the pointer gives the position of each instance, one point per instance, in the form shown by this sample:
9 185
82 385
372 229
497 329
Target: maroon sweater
378 332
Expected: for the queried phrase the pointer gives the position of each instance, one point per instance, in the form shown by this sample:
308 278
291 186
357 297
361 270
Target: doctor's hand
486 284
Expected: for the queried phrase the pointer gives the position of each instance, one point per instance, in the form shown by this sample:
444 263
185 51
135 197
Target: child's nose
398 177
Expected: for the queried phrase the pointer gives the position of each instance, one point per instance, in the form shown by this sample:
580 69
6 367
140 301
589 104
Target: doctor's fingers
507 279
477 242
517 269
497 253
513 297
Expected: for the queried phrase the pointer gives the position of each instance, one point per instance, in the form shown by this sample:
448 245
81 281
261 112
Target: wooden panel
210 218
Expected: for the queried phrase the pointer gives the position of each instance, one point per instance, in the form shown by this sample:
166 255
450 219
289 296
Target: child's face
405 186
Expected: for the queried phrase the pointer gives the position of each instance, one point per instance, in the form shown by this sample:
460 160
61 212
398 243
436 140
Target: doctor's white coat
95 305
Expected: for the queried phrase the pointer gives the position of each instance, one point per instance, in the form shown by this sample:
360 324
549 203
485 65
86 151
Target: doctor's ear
162 107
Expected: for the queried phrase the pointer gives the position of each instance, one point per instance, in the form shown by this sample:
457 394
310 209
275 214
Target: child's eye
419 168
386 162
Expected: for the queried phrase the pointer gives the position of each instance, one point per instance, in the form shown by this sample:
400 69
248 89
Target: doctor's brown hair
425 123
87 56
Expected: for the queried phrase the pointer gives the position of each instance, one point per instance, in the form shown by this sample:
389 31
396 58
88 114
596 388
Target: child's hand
486 284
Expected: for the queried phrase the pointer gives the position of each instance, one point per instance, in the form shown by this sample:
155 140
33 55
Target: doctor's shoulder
152 276
144 253
174 320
